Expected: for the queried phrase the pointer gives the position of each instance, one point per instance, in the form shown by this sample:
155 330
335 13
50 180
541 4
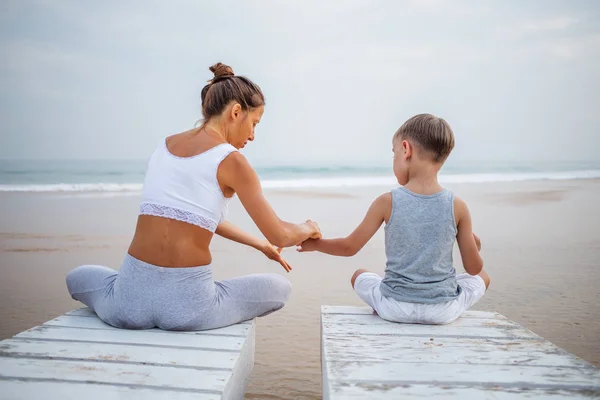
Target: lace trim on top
180 215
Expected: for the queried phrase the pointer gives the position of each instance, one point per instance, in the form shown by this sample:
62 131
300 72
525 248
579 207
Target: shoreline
300 184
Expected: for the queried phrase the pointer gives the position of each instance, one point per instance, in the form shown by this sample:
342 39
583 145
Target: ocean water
126 176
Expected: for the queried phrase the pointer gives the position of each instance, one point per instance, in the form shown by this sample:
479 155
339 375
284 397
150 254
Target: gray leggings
143 296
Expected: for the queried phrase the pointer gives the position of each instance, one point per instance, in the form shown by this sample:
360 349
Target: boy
423 220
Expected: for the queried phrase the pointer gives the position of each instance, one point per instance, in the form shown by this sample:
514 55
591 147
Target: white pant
367 287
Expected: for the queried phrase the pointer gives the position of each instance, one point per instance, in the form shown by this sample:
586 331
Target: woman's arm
237 173
352 244
230 231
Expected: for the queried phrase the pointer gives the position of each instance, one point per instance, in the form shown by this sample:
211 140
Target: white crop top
186 188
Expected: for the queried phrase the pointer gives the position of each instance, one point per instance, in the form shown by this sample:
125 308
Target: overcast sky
517 80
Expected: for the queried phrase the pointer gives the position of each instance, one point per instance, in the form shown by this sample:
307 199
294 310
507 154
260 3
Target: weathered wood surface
77 356
482 355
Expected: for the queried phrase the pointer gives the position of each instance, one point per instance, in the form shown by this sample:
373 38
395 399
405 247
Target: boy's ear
407 148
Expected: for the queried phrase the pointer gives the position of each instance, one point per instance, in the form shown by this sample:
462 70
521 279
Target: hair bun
221 70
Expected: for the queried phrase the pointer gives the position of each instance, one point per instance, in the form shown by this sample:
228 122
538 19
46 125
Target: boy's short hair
431 134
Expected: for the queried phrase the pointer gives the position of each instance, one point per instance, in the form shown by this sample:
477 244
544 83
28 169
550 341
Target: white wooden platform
77 356
482 355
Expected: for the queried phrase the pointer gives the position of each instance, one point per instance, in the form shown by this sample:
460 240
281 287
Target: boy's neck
424 180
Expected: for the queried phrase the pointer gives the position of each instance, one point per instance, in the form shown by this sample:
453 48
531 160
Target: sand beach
541 246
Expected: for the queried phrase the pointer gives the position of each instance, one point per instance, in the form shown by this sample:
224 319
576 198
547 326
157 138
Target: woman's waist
170 243
131 262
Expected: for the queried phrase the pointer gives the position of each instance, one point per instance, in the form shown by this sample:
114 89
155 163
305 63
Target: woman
166 279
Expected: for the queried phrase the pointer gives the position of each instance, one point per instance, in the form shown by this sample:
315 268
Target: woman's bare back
172 243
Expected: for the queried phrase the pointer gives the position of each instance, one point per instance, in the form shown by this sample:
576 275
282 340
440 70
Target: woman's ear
236 111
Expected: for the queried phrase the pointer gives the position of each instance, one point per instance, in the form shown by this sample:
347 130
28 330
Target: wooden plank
240 376
26 390
71 321
78 355
385 392
143 376
449 351
522 376
481 356
371 319
87 312
164 339
125 353
395 329
82 312
346 310
369 311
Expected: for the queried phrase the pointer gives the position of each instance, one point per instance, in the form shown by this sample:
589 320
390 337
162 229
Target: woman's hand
274 253
315 231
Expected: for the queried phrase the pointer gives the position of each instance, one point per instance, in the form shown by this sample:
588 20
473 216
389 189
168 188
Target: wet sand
541 246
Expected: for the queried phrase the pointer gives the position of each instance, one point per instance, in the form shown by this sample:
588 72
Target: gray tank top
419 239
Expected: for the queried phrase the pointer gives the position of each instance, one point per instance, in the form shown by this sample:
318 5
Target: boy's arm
351 244
467 241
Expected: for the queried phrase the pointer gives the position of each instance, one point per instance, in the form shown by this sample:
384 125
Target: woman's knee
74 279
86 278
282 287
270 293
